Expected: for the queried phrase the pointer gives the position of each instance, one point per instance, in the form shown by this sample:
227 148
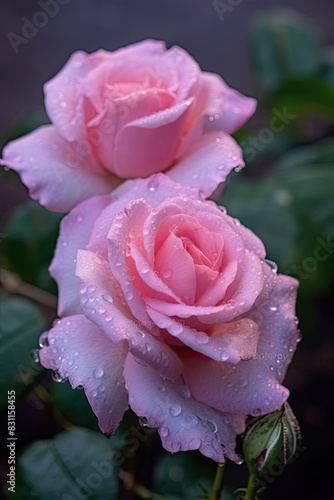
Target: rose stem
251 487
218 482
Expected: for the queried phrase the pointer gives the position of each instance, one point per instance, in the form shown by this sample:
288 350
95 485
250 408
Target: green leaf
21 326
284 44
73 405
31 235
75 464
301 96
181 474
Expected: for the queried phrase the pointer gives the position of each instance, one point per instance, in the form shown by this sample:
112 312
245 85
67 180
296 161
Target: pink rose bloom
128 114
174 311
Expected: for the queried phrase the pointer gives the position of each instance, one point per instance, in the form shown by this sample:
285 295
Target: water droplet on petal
56 377
98 373
267 401
243 382
224 356
153 184
108 298
164 431
175 410
43 340
143 421
79 218
109 318
94 394
273 266
35 356
202 338
239 460
194 443
176 328
167 273
162 388
256 412
273 308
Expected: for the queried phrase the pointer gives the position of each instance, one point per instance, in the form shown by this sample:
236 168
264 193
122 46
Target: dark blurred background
225 43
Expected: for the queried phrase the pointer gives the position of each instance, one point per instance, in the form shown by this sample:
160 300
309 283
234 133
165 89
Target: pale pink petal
184 423
248 288
207 163
118 113
63 96
102 304
227 109
253 386
56 175
79 351
155 190
74 233
231 341
181 277
154 141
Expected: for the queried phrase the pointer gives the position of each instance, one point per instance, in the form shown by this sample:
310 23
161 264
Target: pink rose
174 311
127 114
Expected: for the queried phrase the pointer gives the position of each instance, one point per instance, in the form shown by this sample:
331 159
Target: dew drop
56 377
167 273
64 243
175 410
273 308
102 310
243 382
83 290
267 401
153 184
184 392
79 218
236 169
43 340
224 356
273 266
300 336
35 356
164 431
108 298
162 388
239 460
109 318
94 394
98 373
194 443
143 421
256 412
148 347
202 338
176 328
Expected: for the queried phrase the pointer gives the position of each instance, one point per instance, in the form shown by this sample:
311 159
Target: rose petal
102 303
74 233
63 95
228 109
154 141
251 387
56 175
231 341
207 163
184 423
79 351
